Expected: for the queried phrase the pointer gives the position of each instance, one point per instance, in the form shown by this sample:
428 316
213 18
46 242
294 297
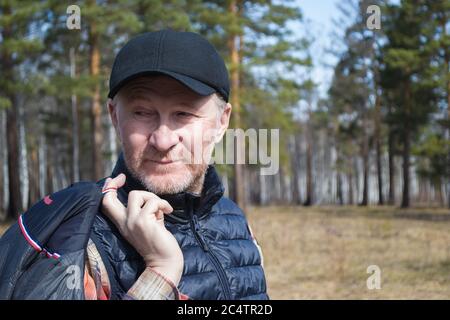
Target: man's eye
142 114
184 114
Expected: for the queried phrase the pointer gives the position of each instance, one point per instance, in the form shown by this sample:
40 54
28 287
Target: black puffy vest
221 260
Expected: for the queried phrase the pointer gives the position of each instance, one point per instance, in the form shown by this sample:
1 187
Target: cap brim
193 84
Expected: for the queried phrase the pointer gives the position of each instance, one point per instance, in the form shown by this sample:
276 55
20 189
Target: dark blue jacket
221 259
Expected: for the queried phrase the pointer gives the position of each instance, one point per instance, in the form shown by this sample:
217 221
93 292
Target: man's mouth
163 161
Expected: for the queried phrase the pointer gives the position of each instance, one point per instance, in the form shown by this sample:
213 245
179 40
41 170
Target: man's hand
142 225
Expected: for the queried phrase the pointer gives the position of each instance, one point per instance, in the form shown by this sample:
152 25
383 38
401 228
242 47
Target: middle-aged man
159 226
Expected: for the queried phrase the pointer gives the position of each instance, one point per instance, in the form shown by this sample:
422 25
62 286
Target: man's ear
112 109
224 122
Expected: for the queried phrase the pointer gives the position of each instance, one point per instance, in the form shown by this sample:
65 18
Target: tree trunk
447 67
34 176
339 189
15 201
391 199
448 136
3 167
438 192
357 175
421 196
282 194
234 48
339 169
448 130
350 184
309 155
42 155
96 109
378 147
225 184
406 148
23 159
295 170
12 138
75 124
50 176
365 157
263 188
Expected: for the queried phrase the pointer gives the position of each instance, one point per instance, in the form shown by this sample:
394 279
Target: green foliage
20 43
432 151
407 66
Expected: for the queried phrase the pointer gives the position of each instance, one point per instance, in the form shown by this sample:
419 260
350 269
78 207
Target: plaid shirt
151 285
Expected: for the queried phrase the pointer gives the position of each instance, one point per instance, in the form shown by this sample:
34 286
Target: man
159 227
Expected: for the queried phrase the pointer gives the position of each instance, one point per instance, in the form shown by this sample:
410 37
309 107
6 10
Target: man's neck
197 186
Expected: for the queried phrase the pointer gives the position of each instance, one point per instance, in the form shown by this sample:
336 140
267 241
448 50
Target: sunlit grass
324 252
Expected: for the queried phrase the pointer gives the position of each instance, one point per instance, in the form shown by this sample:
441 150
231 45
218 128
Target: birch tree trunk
23 171
4 192
42 155
75 124
309 169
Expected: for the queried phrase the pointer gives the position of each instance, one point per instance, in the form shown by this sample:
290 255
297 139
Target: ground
324 252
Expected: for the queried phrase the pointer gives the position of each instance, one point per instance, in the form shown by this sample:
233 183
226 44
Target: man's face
167 132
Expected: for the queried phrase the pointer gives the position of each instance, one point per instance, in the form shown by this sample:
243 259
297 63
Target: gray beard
194 184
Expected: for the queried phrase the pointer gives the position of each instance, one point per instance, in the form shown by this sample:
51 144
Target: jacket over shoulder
42 256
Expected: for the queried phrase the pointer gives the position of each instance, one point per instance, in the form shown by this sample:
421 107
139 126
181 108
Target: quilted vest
221 261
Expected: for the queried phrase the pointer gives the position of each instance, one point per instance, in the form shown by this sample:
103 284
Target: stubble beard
191 180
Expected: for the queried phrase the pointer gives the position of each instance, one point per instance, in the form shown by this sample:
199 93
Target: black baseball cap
184 56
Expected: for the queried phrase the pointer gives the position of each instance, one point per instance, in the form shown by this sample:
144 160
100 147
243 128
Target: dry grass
324 252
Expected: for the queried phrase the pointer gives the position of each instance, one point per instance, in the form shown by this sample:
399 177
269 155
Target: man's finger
114 183
111 205
157 208
137 199
149 210
159 215
165 207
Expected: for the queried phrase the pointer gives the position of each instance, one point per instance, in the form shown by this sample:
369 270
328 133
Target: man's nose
163 138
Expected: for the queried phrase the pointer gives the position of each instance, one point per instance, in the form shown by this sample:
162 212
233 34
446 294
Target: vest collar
185 204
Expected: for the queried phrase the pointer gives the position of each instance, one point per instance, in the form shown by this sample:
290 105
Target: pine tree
19 43
263 56
407 76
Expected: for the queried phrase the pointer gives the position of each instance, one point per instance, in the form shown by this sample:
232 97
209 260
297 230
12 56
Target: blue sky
318 16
